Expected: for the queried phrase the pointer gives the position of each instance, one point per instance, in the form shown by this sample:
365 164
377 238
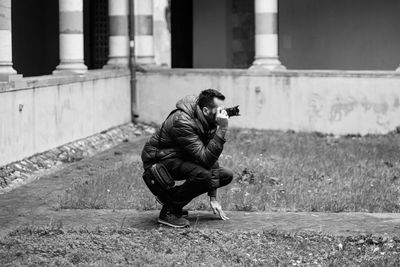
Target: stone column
162 32
144 49
266 38
71 37
6 65
118 11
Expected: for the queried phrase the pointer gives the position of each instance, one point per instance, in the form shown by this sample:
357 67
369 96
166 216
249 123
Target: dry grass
56 246
273 171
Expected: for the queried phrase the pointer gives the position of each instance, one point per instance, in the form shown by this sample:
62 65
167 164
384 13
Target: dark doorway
35 35
182 33
96 30
35 49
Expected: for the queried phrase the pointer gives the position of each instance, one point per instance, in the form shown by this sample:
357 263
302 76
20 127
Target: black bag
158 179
162 176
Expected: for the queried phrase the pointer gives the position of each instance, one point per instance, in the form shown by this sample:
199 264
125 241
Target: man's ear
205 110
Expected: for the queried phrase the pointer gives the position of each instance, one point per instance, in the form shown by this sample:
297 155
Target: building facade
302 35
305 65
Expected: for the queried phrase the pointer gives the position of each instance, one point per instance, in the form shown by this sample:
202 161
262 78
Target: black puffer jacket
186 134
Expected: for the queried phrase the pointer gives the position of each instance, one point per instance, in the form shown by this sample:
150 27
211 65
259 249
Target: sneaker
180 212
172 220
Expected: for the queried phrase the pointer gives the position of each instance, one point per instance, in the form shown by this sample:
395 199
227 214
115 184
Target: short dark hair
206 97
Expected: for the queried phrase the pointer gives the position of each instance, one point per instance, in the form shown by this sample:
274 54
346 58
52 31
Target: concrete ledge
44 112
55 80
285 73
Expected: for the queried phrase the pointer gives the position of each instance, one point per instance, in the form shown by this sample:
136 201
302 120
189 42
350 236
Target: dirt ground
36 203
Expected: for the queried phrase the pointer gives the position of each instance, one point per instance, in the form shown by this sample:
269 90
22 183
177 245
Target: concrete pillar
266 38
144 43
162 32
6 64
71 37
118 11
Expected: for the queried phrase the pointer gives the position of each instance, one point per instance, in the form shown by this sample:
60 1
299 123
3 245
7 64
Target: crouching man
188 145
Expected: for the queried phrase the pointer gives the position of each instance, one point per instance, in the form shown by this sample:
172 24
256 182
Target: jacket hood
189 105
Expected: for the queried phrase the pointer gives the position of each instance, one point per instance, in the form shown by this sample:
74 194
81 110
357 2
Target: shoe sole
172 225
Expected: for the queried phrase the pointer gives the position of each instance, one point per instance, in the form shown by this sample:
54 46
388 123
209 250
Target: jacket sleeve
185 134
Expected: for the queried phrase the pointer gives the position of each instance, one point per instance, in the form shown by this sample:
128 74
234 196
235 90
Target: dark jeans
198 180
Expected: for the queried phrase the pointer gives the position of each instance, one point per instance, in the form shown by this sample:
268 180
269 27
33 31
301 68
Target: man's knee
225 176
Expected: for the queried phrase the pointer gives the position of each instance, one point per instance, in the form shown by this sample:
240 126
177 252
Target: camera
233 111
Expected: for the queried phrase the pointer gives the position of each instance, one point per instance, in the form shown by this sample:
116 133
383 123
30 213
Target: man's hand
216 207
222 118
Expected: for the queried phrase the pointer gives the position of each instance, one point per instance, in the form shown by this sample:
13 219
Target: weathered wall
57 110
329 102
339 34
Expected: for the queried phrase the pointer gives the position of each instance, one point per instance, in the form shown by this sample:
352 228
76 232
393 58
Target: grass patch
45 246
273 171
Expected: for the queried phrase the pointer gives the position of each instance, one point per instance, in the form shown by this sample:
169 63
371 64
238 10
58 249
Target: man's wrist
223 128
221 131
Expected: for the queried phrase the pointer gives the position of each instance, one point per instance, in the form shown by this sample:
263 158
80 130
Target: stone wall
336 102
41 113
